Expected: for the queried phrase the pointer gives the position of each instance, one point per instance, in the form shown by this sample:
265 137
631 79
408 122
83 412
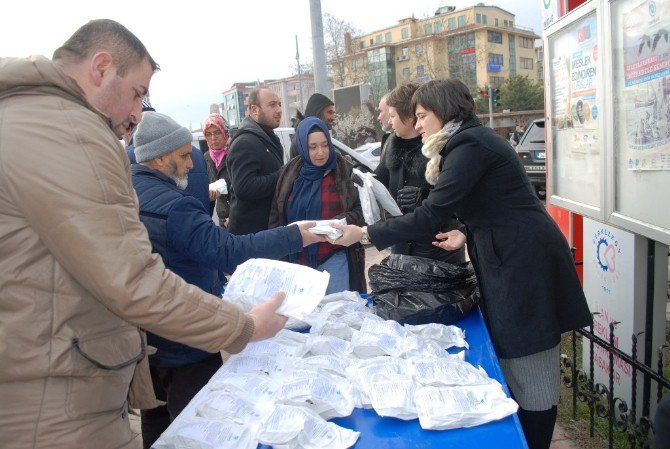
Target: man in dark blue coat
181 230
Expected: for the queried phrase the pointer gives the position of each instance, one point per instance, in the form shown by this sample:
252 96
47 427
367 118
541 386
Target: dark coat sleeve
244 167
461 170
192 232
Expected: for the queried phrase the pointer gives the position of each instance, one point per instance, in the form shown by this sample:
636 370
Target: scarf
218 155
305 201
432 148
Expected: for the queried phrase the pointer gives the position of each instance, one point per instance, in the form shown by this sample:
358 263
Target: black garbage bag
416 290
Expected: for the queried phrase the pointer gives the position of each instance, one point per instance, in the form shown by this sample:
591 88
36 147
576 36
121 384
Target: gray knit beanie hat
158 134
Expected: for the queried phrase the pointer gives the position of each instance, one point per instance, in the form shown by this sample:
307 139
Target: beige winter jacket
77 277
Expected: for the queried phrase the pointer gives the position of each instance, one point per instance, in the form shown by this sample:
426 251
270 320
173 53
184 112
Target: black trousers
176 386
538 426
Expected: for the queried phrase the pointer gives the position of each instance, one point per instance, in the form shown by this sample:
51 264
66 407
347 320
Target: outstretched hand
309 237
450 241
266 321
350 234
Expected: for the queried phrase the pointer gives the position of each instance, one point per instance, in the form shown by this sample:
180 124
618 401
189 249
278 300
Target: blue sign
493 67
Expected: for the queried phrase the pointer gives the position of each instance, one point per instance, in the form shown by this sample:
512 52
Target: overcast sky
203 47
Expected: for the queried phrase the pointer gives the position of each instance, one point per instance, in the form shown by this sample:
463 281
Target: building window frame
404 32
494 37
388 36
526 63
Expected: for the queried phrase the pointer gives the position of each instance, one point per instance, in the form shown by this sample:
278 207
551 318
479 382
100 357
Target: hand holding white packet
220 186
260 279
324 227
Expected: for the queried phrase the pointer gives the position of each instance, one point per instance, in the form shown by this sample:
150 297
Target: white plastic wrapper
325 363
327 345
363 372
220 186
325 227
355 319
328 395
345 296
393 398
230 406
298 427
414 346
260 279
365 345
384 327
332 327
288 336
442 408
199 433
264 364
449 372
259 388
446 336
342 307
274 348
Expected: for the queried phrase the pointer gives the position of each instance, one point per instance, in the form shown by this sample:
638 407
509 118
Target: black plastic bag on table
416 290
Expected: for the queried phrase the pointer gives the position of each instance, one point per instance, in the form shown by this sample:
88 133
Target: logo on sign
607 253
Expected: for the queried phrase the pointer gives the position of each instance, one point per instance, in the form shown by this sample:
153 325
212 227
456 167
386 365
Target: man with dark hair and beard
182 232
256 155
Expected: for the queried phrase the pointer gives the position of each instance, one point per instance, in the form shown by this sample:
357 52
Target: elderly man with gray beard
182 232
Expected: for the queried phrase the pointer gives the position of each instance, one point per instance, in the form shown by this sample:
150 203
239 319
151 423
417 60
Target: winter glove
357 179
408 198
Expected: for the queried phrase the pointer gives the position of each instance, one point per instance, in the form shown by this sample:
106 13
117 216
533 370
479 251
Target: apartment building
234 103
293 92
479 45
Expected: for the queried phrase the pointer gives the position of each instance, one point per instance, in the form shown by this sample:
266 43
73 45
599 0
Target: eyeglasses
216 133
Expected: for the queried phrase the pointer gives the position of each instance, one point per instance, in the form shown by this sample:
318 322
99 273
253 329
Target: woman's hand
450 241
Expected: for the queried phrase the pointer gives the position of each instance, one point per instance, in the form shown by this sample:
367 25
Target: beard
181 181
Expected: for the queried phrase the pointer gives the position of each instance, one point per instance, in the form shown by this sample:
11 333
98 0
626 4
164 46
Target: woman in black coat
401 169
530 289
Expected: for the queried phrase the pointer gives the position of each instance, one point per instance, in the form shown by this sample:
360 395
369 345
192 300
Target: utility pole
297 59
490 107
319 54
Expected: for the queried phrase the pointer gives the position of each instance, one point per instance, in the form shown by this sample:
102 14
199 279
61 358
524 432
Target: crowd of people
106 254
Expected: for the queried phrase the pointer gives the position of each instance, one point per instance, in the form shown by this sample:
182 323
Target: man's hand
214 194
266 321
350 234
309 237
450 241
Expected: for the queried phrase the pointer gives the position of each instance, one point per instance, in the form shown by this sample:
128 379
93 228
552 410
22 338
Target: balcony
402 58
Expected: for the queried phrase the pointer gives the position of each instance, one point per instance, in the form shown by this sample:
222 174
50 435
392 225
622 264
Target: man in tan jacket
77 277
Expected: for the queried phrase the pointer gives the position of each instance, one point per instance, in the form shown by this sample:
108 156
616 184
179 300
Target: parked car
372 151
532 151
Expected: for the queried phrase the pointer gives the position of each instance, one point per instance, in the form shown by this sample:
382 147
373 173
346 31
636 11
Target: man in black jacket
256 156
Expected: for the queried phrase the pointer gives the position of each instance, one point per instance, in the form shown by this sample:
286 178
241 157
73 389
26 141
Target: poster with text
646 84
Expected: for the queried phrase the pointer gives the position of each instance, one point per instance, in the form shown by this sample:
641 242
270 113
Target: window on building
428 28
372 41
497 81
404 33
462 21
511 23
496 21
388 36
526 42
420 70
405 51
418 49
361 44
484 19
506 24
527 63
451 23
478 18
378 38
438 27
494 37
405 73
495 59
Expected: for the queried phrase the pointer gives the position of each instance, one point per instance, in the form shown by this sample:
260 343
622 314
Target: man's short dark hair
449 99
105 35
400 98
255 96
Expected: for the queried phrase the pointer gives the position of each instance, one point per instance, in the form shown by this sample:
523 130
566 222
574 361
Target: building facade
234 106
480 45
293 92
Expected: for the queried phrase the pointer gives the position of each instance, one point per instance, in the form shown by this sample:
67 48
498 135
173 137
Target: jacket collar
143 170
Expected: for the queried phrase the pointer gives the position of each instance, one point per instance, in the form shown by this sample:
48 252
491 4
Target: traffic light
484 93
496 97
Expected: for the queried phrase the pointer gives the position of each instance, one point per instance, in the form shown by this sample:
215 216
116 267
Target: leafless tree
334 31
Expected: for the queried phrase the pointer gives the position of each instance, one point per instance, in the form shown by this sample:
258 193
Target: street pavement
560 439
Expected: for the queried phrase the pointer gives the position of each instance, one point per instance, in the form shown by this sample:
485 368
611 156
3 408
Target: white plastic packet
415 346
363 372
325 227
328 395
327 345
446 336
325 363
231 406
442 408
371 213
393 398
260 388
344 296
365 345
265 364
376 192
274 348
332 327
384 327
341 307
260 279
449 372
220 186
320 434
355 319
199 433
